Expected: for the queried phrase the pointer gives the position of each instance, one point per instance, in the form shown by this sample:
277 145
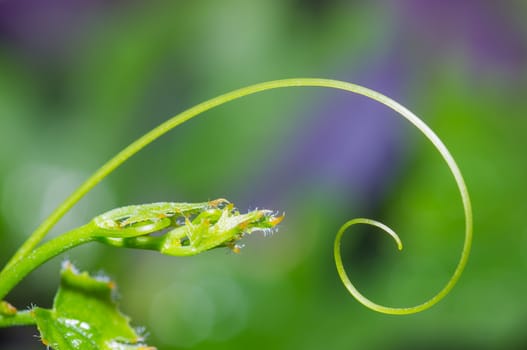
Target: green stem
21 318
140 242
11 276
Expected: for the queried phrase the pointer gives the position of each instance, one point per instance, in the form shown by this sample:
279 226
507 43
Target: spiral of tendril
171 123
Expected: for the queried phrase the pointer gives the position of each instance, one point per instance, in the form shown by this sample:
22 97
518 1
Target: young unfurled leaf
85 316
216 228
186 228
138 220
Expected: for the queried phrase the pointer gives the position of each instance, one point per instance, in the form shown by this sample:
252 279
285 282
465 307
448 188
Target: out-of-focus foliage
78 81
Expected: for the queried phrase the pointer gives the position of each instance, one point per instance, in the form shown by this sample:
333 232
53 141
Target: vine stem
9 278
21 318
121 157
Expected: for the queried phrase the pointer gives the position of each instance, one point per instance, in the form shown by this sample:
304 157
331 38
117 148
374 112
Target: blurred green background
79 80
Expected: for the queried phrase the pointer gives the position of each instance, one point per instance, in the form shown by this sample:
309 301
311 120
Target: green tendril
37 236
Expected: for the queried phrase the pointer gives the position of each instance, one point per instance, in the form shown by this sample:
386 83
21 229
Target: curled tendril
155 133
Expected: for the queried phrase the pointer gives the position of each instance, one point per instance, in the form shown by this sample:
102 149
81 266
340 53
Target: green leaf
85 316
